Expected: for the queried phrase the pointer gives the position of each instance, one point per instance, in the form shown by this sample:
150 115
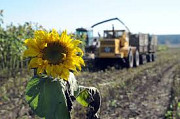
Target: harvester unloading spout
111 20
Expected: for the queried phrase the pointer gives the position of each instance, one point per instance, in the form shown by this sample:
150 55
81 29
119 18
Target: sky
146 16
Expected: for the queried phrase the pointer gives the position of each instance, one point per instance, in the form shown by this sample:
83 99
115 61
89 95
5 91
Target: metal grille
107 49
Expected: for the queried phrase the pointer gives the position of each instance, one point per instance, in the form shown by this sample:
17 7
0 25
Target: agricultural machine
119 47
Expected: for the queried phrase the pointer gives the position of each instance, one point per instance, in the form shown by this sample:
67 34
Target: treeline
169 39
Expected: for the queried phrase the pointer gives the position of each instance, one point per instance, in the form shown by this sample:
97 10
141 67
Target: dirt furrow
141 93
145 97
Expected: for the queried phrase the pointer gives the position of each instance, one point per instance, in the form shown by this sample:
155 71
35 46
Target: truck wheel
136 58
149 57
130 60
98 65
117 65
153 57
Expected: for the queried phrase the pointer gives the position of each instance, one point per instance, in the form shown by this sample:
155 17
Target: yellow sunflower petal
30 53
69 65
64 38
54 35
64 56
81 61
65 74
40 34
76 42
56 69
78 50
78 66
40 69
48 69
53 71
41 38
33 63
31 43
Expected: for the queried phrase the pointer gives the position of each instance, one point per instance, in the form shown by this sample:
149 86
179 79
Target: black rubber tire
98 64
153 57
117 65
140 59
143 59
136 59
130 60
149 57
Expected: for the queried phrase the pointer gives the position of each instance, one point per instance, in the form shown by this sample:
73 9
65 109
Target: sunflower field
11 46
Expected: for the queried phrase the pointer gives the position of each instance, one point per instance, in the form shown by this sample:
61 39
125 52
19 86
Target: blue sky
147 16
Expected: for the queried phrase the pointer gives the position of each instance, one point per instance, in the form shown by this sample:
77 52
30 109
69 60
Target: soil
138 93
143 92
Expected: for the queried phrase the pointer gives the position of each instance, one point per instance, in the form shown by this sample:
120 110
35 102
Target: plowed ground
144 92
140 93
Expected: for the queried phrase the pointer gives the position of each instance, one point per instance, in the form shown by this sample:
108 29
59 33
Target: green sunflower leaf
46 98
83 97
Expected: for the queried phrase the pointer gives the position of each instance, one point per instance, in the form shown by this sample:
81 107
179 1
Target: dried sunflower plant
53 88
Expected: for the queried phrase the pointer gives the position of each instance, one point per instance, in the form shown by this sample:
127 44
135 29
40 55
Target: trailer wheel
136 58
153 57
130 60
143 59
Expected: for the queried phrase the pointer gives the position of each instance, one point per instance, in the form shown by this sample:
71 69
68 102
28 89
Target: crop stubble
142 92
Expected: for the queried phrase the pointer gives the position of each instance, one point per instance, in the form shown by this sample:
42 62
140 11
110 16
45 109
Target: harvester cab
85 35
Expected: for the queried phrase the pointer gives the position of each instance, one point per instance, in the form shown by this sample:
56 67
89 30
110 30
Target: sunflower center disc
54 53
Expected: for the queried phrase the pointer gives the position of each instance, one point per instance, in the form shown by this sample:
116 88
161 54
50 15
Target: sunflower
54 54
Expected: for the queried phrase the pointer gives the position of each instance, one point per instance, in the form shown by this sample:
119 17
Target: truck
120 48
